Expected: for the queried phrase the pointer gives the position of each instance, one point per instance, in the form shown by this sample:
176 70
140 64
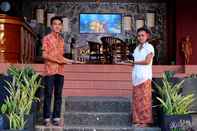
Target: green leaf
172 101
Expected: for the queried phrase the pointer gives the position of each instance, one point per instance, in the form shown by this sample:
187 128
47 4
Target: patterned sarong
142 103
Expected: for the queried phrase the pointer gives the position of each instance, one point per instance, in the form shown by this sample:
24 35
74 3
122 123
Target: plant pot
4 123
178 122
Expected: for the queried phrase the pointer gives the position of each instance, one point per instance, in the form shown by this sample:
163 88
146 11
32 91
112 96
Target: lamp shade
150 19
49 16
40 15
66 24
127 23
139 23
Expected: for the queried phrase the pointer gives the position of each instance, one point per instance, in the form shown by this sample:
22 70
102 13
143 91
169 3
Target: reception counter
17 40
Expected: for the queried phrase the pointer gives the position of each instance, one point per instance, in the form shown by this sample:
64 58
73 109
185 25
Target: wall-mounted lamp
40 15
139 23
66 24
49 16
127 23
150 20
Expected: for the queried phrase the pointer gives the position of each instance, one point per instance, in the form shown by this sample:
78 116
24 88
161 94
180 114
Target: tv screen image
100 23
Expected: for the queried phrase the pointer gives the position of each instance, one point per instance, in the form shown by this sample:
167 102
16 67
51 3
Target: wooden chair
95 54
114 49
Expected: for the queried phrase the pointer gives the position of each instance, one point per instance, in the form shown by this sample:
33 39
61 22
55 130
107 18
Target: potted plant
22 89
175 106
170 77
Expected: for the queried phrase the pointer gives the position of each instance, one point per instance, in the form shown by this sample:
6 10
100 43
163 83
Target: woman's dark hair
56 18
144 29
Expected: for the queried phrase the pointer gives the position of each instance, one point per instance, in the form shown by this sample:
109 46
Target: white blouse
141 73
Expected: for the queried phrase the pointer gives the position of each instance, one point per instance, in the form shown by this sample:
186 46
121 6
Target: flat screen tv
100 23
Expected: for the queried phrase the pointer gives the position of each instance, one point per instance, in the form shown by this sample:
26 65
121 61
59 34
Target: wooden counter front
102 80
17 41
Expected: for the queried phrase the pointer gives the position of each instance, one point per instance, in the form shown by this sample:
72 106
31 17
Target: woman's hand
129 63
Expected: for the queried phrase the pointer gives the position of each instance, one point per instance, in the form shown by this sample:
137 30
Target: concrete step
147 129
96 114
125 128
50 128
96 119
100 128
98 104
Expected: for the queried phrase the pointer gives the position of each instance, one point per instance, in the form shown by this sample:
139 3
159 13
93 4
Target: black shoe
56 123
47 122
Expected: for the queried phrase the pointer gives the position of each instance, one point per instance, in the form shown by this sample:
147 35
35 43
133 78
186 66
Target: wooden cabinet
17 41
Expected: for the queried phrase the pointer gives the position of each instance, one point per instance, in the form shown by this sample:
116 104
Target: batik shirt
53 47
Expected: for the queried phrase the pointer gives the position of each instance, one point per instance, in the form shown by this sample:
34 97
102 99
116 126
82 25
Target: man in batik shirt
53 50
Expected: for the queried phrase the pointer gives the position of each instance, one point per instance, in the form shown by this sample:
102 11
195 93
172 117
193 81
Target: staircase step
147 129
50 128
96 119
124 128
84 128
98 104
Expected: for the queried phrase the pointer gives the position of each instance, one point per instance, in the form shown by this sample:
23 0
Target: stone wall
72 10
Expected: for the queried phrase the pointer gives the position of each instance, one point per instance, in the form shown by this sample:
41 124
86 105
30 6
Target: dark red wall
186 24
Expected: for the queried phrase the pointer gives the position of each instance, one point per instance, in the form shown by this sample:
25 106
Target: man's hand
68 61
64 61
78 62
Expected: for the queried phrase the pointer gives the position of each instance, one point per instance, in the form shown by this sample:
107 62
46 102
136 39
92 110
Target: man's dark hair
144 29
56 18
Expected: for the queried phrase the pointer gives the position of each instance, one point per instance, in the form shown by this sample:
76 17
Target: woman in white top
141 80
